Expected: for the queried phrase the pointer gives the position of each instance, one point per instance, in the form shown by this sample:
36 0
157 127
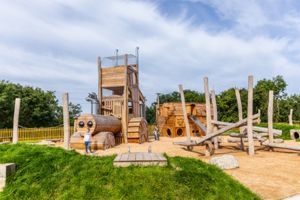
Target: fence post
16 120
66 120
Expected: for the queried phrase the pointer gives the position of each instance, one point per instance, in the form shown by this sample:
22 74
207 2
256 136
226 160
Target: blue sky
54 44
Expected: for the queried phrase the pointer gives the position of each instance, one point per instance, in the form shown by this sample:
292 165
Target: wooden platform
140 158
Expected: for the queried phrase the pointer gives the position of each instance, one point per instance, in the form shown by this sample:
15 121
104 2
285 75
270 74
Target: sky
54 44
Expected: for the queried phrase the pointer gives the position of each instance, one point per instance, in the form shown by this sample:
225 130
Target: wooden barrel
98 123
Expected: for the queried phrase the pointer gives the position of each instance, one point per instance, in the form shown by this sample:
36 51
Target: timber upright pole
125 101
240 111
99 111
250 117
270 116
207 107
291 117
215 116
16 120
66 120
186 121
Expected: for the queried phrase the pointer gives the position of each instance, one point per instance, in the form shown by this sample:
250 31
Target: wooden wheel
209 147
137 130
190 148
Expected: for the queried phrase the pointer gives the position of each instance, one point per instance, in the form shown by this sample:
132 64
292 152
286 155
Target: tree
261 95
150 113
190 96
38 108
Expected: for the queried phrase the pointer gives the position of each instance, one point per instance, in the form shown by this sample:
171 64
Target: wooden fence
31 134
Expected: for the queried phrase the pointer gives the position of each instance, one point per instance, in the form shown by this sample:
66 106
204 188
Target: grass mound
53 173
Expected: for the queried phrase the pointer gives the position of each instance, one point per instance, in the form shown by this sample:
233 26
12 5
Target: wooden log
291 117
240 113
186 121
282 146
16 120
207 107
215 117
65 100
270 117
250 116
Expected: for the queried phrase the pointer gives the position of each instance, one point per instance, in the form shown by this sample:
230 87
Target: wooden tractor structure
121 112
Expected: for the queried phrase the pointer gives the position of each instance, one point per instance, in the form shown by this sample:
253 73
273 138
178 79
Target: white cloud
54 45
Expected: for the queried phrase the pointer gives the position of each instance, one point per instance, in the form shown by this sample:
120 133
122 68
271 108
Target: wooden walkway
140 158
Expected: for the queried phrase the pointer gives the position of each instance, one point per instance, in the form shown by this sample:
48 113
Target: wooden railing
31 134
112 106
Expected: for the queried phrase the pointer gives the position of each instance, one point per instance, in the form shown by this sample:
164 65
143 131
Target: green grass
53 173
284 127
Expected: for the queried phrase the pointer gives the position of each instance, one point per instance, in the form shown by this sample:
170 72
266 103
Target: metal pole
117 53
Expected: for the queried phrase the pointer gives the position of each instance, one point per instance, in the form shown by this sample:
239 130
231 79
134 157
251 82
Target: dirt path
272 175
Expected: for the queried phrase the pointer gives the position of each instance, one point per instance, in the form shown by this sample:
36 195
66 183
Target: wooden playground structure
121 112
170 120
215 128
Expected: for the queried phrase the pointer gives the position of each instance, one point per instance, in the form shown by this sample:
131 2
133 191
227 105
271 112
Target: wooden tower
119 95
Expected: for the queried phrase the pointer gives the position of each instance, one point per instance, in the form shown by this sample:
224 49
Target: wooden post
125 100
250 116
207 107
270 116
16 120
186 121
240 111
215 116
65 99
99 86
291 117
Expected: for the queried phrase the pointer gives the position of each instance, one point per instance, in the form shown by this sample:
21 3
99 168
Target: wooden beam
291 117
99 111
281 146
207 106
270 117
16 120
215 116
217 133
240 113
125 101
65 100
250 117
186 121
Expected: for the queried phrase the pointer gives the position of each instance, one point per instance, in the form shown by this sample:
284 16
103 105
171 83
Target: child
87 141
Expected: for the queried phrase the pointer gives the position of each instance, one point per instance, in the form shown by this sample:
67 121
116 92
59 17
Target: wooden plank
124 157
139 156
118 158
186 121
251 151
147 157
270 117
131 157
291 117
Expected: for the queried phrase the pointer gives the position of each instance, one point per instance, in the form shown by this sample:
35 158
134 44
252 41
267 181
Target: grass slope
53 173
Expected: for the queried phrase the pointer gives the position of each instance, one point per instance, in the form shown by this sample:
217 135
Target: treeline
38 108
227 104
